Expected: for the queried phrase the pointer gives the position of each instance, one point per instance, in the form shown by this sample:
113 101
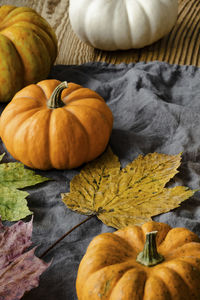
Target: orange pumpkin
122 266
28 48
49 125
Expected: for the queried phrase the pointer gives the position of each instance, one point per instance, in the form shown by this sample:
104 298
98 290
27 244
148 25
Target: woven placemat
181 46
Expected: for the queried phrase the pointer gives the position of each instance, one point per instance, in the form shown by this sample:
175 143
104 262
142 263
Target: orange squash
54 125
28 48
123 266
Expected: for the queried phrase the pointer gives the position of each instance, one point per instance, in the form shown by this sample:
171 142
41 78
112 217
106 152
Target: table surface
181 46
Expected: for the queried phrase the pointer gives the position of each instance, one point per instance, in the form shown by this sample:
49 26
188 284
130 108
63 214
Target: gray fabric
156 108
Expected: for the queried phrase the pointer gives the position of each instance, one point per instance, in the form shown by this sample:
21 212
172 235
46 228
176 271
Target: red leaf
19 270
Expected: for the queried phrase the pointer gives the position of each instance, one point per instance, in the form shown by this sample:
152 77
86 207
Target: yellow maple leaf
129 196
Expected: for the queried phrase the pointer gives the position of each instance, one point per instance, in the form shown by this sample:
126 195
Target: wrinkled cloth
156 108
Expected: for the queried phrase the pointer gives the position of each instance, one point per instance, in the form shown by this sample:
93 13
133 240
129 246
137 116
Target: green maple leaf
13 175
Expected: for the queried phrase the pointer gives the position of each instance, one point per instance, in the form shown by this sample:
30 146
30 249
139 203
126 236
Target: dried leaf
19 270
13 205
130 196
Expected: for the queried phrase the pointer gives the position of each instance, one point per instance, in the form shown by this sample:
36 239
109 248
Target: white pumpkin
122 24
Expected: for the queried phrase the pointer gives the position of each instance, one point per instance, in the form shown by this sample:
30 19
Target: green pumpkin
28 48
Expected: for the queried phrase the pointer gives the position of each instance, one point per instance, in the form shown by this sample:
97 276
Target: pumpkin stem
55 100
149 256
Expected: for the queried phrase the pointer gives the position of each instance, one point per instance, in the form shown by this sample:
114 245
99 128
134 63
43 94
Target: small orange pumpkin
54 125
122 266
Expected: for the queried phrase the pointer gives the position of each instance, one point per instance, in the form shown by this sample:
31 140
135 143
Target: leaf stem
64 235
